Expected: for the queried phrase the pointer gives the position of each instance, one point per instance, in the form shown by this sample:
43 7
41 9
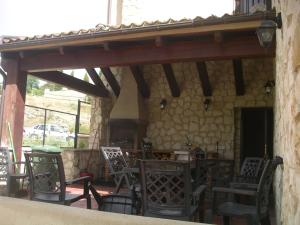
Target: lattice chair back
46 174
5 169
251 167
166 186
115 158
265 184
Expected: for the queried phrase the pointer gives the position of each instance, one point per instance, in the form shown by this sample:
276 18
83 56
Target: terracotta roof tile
102 28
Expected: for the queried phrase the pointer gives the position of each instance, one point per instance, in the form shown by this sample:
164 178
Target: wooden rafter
2 73
71 82
235 47
238 77
109 76
95 78
141 83
203 76
171 80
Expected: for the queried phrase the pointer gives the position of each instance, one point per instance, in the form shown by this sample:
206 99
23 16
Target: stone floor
103 190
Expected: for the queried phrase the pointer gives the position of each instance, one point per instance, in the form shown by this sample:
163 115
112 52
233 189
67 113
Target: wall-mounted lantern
269 86
163 104
206 103
265 32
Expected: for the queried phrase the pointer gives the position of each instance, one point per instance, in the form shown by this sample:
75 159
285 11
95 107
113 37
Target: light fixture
269 86
163 103
266 30
206 103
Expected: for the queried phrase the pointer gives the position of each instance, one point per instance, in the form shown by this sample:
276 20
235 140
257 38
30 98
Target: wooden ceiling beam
238 77
95 78
203 77
109 76
148 53
175 91
71 82
140 80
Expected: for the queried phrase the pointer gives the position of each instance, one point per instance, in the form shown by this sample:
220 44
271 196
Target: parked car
51 130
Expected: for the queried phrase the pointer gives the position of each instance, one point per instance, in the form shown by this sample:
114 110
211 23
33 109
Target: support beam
96 79
14 106
71 82
203 76
109 76
141 83
2 73
148 53
175 91
238 77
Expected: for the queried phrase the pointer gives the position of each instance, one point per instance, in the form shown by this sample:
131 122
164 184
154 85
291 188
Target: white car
51 130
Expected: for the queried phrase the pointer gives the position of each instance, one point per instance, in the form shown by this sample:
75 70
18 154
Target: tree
33 87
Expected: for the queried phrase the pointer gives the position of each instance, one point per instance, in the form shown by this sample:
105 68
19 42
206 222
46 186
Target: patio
184 84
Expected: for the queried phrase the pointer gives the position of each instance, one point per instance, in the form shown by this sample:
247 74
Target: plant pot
85 173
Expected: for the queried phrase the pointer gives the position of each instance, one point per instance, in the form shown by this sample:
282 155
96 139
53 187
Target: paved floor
104 190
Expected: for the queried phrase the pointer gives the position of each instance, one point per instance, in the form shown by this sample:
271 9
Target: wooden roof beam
71 82
238 77
203 76
109 76
96 79
175 91
140 80
235 47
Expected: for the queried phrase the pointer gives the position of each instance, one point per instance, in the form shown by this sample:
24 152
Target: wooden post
14 104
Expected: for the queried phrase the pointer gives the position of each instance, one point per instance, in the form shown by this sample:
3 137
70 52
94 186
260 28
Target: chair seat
55 197
232 208
170 212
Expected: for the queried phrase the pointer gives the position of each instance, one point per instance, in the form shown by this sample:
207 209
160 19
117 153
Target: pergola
198 40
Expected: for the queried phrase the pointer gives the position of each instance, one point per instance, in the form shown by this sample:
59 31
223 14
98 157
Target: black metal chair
47 180
167 190
118 167
9 172
117 203
255 214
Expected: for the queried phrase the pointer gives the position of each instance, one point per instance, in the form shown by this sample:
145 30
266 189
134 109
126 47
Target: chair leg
265 221
96 195
88 202
226 220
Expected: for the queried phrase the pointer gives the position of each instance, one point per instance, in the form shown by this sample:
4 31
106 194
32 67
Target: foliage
32 86
52 87
86 77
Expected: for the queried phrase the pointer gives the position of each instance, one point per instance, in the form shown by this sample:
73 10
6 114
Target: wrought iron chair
255 214
126 204
118 167
249 174
167 190
47 180
9 173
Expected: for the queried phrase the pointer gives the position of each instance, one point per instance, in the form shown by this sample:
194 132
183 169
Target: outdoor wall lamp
206 103
269 86
163 103
265 32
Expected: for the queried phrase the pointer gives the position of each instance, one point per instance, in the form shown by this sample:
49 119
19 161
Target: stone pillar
14 105
100 112
287 113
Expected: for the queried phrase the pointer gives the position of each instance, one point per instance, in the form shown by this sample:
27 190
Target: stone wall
75 161
185 116
287 113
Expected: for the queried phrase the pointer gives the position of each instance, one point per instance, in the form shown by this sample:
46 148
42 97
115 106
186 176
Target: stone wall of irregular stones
185 116
75 161
287 113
